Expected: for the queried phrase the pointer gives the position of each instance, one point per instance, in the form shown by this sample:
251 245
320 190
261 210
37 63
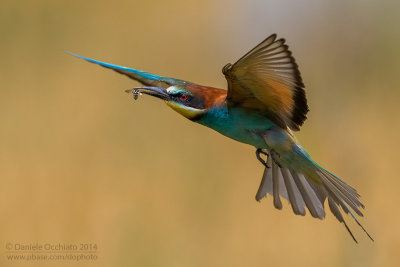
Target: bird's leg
264 162
274 156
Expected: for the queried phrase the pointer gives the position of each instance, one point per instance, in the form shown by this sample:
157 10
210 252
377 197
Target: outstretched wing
267 79
138 75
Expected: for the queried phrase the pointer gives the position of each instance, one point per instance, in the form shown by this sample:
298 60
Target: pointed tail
302 190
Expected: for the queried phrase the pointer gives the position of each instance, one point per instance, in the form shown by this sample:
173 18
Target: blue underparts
237 124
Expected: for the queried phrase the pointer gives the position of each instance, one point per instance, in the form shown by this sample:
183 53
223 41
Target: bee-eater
264 103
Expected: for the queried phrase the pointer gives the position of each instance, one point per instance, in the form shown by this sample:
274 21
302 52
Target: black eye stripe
189 100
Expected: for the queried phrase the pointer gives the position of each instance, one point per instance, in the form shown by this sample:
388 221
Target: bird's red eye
183 97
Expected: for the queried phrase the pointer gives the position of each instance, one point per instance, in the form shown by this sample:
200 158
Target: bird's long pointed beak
158 92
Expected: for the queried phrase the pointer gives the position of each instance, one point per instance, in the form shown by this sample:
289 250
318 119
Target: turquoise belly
237 124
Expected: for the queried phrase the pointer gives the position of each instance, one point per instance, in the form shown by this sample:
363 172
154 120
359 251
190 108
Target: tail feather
335 210
266 182
294 187
295 198
350 199
362 227
314 205
275 185
267 185
318 192
350 192
302 191
337 180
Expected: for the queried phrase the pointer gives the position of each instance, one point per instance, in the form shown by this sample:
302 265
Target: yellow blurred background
80 162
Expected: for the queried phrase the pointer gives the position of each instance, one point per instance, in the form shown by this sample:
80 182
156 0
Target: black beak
158 92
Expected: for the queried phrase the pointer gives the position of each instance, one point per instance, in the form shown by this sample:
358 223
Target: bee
135 92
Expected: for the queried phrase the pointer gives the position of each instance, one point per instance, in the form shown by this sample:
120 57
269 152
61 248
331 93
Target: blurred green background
81 162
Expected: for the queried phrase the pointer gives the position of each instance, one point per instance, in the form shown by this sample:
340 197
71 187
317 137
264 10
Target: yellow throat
188 112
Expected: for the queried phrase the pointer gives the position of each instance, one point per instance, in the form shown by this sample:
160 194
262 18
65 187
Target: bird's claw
273 154
264 162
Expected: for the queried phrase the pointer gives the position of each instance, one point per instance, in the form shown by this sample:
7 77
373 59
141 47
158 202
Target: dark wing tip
299 114
300 110
226 69
273 36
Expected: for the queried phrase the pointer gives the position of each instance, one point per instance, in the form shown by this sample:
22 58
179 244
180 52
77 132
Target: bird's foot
275 155
259 151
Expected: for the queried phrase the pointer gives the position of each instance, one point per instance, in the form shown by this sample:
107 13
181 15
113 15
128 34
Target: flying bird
265 102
